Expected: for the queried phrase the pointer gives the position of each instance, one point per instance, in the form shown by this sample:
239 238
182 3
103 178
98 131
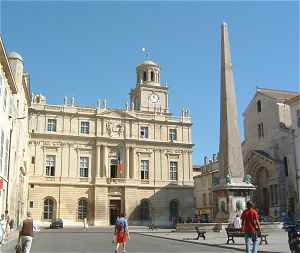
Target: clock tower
149 95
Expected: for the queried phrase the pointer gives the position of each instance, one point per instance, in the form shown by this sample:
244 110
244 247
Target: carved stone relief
114 128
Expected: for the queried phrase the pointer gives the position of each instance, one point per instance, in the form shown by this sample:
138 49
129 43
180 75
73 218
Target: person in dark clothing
26 233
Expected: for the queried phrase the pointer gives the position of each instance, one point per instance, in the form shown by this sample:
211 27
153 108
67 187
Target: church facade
269 151
97 162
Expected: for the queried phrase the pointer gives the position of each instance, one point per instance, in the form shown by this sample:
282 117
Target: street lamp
9 151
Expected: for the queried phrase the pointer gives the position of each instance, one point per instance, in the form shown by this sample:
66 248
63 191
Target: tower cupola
148 73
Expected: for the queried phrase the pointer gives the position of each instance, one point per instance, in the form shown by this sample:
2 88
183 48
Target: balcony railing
116 180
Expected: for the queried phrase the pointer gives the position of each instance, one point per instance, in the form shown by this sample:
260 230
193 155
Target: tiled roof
279 94
293 99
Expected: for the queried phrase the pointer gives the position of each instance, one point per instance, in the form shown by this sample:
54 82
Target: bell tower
149 95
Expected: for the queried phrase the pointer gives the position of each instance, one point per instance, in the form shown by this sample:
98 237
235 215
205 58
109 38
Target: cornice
102 139
124 116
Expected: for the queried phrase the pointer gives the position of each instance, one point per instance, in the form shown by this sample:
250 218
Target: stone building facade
95 162
14 100
205 201
7 89
268 151
18 164
294 104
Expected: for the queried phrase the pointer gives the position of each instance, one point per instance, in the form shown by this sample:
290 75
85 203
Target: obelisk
233 189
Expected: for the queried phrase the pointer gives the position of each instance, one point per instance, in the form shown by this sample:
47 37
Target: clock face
154 98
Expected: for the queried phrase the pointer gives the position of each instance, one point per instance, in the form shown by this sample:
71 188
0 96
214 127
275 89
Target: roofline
7 69
259 91
207 173
292 100
285 91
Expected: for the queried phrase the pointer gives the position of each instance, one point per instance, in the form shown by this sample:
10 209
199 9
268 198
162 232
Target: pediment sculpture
114 129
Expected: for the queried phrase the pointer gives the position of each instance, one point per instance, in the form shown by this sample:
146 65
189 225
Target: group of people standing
5 227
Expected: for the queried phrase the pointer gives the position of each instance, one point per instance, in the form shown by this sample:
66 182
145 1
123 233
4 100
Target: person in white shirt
237 223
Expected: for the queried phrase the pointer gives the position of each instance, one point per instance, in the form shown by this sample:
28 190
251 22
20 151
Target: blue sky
89 50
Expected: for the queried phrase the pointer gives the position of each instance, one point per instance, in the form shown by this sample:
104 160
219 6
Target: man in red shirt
251 227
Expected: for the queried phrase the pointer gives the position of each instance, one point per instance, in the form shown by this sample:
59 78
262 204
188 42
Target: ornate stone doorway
262 191
173 211
114 210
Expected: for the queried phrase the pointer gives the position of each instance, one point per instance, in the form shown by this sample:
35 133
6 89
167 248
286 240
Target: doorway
114 210
113 168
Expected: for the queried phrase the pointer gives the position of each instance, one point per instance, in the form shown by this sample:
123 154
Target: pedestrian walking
85 224
251 227
26 233
121 232
237 224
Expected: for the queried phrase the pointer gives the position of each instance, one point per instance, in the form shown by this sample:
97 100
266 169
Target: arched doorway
145 211
262 191
173 211
49 209
83 209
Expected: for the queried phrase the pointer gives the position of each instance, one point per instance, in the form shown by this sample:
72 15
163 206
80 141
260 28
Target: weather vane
147 54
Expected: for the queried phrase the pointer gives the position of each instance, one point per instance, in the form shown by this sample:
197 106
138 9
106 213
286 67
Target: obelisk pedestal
233 189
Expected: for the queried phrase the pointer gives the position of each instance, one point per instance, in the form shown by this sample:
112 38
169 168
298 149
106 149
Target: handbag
18 248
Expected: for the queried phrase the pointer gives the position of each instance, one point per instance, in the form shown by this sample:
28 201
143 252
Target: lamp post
9 152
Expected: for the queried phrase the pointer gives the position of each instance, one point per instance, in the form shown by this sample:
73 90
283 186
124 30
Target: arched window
48 209
82 209
152 76
145 210
145 76
173 209
258 106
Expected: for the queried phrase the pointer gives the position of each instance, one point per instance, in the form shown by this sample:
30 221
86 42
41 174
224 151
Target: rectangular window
144 132
6 158
84 166
31 204
145 169
260 130
276 194
286 168
210 199
173 170
84 127
173 135
33 159
52 125
50 165
272 195
4 99
298 118
204 199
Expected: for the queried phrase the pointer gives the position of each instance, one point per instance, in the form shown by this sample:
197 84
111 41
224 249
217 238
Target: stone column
106 162
127 162
98 157
133 163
